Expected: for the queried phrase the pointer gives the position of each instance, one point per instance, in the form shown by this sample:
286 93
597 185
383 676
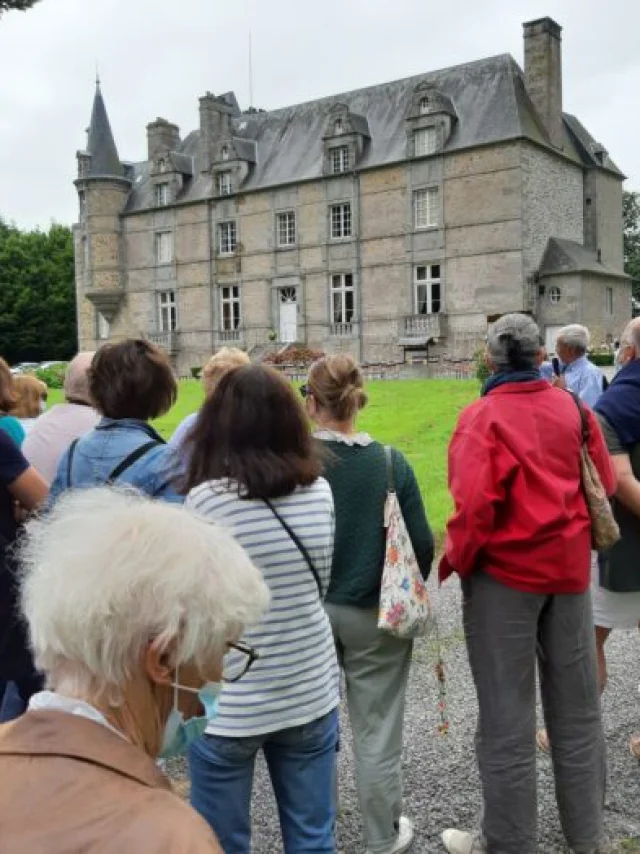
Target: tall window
424 105
338 127
167 311
426 208
104 327
162 195
227 238
342 298
428 289
164 247
340 159
341 221
425 141
608 300
286 224
224 183
82 200
230 307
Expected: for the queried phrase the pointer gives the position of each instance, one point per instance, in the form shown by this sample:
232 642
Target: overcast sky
156 57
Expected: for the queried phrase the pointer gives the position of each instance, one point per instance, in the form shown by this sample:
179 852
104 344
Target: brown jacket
70 785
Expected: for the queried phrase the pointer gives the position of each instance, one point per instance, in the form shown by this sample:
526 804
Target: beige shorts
612 610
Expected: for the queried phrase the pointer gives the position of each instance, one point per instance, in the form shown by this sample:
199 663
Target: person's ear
311 406
158 662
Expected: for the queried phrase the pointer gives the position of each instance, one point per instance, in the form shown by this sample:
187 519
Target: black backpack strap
391 480
584 424
132 458
72 450
301 548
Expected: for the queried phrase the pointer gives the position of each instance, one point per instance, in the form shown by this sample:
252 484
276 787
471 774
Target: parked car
24 367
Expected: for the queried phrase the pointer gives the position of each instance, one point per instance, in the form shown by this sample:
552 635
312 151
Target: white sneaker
459 842
405 836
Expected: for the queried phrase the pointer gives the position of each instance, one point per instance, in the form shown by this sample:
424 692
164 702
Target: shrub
196 372
482 367
52 377
601 359
298 356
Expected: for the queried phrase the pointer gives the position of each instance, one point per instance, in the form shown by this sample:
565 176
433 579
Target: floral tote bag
405 609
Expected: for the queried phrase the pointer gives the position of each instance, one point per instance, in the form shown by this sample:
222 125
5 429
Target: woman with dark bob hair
130 384
254 468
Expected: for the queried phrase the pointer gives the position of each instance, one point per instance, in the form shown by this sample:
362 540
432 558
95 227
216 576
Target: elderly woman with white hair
520 540
129 620
572 369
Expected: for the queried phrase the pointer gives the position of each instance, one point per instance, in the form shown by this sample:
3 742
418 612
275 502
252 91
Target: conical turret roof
101 145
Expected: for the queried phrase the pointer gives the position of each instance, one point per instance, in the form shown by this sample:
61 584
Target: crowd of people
212 597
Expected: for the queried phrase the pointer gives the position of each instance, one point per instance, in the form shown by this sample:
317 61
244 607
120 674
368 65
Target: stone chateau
396 222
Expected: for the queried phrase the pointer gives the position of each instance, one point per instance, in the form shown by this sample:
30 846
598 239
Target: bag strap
300 546
584 424
391 480
128 461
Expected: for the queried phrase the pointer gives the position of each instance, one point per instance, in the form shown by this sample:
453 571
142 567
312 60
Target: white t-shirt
52 433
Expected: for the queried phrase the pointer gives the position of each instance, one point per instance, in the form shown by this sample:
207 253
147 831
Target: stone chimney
215 125
162 136
543 73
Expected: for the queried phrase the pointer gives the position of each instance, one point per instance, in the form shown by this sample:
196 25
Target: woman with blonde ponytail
376 665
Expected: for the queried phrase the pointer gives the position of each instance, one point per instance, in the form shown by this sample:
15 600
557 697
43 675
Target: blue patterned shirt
582 378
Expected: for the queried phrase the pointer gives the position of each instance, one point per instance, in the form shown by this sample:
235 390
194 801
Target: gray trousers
376 668
506 632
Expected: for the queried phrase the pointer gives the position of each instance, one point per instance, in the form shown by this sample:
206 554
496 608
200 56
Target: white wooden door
550 335
288 305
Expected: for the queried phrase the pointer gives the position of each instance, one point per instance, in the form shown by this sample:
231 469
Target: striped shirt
295 680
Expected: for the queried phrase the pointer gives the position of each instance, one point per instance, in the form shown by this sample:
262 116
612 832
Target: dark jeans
507 632
301 762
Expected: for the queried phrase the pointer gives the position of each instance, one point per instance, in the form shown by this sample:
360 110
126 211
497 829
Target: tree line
37 294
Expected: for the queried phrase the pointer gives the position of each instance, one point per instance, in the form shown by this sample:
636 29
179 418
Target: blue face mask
178 733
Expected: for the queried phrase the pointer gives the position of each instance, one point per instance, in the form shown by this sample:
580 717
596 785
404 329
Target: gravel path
441 780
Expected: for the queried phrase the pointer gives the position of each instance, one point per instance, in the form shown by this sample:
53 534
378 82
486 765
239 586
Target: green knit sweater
358 478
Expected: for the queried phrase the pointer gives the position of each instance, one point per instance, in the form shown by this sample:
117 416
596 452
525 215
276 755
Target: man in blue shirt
577 373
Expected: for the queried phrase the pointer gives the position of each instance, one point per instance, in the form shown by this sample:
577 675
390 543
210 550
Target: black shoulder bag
301 548
122 467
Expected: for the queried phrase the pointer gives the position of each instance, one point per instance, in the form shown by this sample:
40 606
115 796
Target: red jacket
514 474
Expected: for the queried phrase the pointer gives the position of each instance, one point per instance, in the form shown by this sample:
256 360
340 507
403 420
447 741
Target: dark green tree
17 5
631 224
37 294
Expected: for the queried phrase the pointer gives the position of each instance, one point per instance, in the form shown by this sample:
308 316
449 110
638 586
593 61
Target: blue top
582 378
13 428
101 450
181 431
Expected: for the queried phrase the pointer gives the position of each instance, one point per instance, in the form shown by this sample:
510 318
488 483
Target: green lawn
416 416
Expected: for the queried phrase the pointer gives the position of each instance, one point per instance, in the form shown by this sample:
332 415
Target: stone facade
392 242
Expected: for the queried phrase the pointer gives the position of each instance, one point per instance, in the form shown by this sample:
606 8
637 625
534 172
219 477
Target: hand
559 382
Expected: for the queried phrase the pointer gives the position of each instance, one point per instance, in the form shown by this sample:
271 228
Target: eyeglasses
238 661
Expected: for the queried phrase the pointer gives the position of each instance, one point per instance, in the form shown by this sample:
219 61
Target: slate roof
286 145
566 256
101 144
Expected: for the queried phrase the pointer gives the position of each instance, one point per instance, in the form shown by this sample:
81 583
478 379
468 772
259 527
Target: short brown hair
253 431
29 392
132 379
7 390
336 383
225 360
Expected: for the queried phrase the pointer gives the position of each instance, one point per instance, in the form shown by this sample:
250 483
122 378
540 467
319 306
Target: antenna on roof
250 71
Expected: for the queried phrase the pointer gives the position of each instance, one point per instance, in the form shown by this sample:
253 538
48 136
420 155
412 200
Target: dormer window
424 106
162 195
425 141
338 127
224 183
340 159
225 152
162 165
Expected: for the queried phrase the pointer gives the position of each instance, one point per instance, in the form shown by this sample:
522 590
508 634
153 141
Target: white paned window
426 208
230 307
340 159
338 127
104 327
224 183
164 247
425 141
341 221
286 226
555 295
167 311
162 195
424 106
227 238
342 298
428 289
608 300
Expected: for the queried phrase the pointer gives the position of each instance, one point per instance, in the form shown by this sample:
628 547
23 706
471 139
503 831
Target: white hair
514 342
106 571
76 380
575 336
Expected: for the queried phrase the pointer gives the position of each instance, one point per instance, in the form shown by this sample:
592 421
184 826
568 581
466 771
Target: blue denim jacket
102 449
